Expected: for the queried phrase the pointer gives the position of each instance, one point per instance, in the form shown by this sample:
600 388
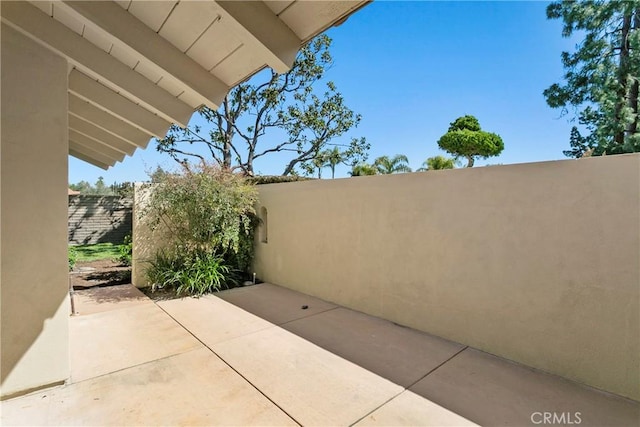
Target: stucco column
34 301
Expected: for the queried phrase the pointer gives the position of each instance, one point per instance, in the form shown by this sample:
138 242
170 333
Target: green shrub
125 250
192 272
276 179
210 216
73 257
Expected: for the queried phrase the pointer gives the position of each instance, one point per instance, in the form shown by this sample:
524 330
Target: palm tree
319 162
333 158
363 169
438 163
396 164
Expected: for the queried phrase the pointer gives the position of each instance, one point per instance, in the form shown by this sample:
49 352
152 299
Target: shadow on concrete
106 279
104 298
483 388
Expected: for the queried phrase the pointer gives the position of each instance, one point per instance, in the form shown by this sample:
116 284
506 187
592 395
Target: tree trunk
635 86
623 73
633 103
470 161
248 169
226 154
292 164
289 168
228 133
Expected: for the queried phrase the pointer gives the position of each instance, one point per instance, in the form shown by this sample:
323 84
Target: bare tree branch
237 132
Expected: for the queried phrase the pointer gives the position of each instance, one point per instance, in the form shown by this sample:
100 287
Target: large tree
466 139
299 119
579 145
387 165
602 76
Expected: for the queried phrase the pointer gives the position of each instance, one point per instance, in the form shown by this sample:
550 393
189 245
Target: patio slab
409 409
313 386
402 355
493 391
107 298
208 362
212 319
475 385
274 303
193 388
117 339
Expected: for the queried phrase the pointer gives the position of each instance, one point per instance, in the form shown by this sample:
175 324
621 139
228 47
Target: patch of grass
73 257
97 252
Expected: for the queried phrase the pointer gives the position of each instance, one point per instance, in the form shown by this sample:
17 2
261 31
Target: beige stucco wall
34 283
147 239
538 263
141 237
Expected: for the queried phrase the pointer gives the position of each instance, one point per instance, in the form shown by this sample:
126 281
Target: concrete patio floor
254 356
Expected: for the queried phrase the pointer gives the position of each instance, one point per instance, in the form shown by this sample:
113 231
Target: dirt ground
101 273
91 275
104 273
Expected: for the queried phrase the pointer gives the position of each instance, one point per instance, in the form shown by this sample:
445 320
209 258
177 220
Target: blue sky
411 68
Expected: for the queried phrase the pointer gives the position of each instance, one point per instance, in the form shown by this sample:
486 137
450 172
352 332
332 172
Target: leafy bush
192 272
276 179
125 250
73 257
210 216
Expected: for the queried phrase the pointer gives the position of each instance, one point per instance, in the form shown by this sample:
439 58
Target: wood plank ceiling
136 66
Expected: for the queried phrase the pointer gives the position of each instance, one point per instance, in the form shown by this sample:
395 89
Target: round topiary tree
466 139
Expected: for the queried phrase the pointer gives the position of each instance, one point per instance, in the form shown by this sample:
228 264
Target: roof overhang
137 66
